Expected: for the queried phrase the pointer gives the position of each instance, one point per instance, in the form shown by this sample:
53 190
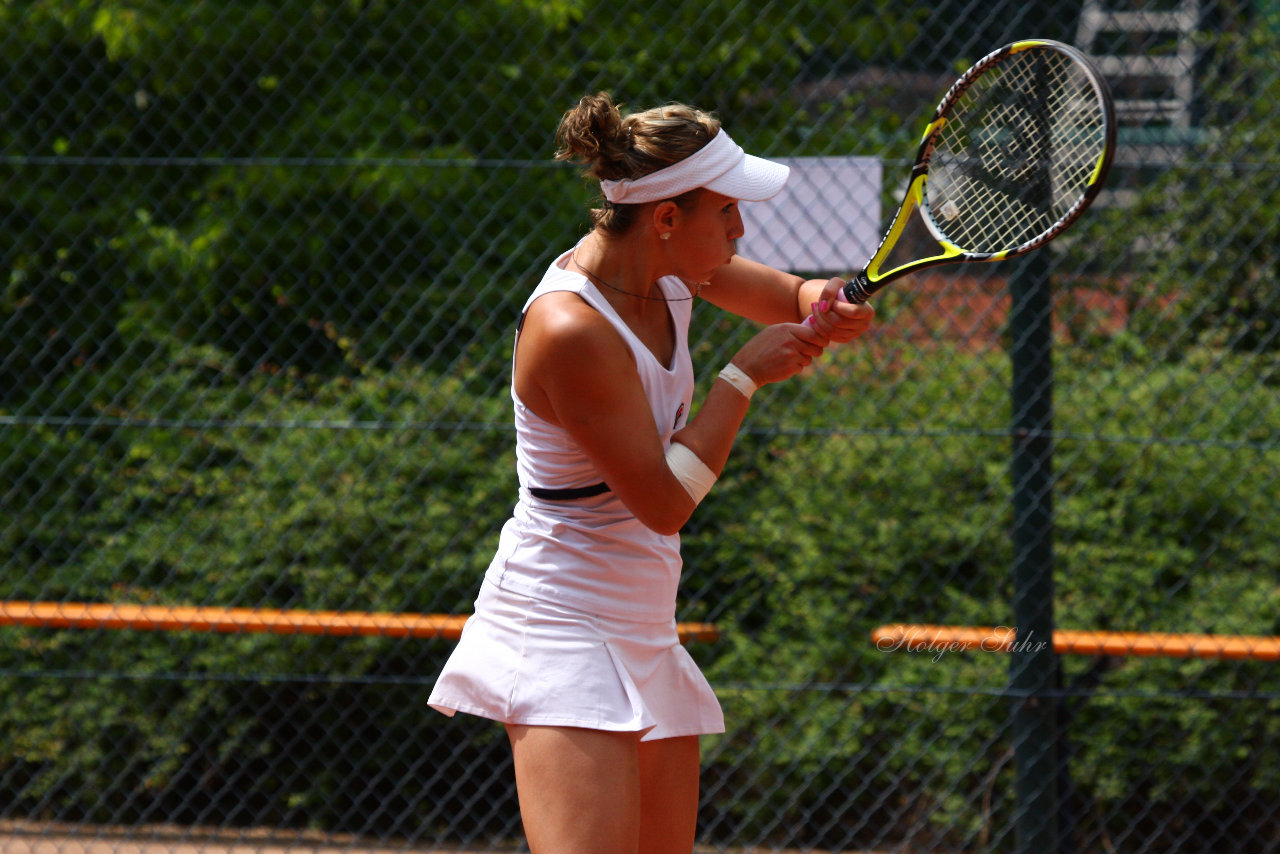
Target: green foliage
301 492
927 540
1208 224
252 176
295 493
1230 221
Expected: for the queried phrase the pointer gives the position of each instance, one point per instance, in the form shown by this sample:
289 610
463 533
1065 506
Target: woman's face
704 236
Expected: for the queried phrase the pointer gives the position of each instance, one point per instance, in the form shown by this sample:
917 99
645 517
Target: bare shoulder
568 353
562 322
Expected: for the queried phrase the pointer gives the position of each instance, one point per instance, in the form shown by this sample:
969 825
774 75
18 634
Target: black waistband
568 494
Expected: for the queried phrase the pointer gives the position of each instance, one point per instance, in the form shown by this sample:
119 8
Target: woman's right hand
779 352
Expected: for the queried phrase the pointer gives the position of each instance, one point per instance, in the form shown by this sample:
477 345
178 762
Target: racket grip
854 291
858 289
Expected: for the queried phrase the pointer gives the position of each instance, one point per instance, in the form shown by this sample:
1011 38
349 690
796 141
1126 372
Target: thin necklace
573 256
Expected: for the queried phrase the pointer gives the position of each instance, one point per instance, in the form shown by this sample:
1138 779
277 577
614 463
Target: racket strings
1017 153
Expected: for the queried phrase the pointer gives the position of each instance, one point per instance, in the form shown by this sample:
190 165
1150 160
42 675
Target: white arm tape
692 472
738 378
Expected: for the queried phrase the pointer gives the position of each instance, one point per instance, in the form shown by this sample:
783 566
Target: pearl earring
666 235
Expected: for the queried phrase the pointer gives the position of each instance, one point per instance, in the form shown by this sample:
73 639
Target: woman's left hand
838 320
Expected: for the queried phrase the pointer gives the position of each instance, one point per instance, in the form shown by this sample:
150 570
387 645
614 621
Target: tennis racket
1014 154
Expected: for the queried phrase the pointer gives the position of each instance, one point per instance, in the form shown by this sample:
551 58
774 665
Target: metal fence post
1033 665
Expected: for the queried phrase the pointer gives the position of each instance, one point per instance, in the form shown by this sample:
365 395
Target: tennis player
573 643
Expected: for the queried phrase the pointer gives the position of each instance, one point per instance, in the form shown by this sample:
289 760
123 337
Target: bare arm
761 293
573 369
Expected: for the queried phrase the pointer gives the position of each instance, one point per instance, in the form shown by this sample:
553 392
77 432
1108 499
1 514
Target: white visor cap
720 166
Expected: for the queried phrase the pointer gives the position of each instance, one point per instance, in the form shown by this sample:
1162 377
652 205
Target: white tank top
592 554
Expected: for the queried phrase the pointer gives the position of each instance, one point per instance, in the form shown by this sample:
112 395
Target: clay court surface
38 838
35 838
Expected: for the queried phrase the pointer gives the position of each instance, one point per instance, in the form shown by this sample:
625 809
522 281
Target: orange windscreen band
171 618
1154 644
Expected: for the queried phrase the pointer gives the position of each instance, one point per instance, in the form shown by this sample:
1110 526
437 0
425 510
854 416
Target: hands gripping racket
1015 153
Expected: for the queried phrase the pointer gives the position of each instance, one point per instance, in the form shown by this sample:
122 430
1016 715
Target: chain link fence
262 265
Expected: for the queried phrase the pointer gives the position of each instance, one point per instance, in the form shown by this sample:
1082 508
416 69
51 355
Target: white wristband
738 378
692 472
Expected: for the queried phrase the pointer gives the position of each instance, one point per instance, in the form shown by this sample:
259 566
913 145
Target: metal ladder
1148 58
1132 73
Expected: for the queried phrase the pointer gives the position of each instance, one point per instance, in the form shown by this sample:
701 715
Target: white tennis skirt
526 661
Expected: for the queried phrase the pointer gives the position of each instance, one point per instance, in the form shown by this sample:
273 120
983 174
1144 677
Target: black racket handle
858 289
